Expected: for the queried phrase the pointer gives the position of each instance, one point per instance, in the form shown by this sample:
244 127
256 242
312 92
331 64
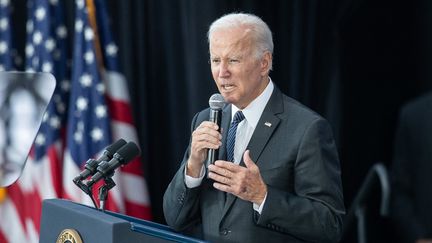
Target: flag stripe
138 210
120 110
22 204
56 167
133 181
2 238
124 130
11 228
116 86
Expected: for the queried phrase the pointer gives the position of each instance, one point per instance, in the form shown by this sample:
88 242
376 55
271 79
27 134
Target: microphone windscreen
115 146
216 101
128 152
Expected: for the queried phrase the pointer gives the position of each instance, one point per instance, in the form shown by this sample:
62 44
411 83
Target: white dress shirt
245 129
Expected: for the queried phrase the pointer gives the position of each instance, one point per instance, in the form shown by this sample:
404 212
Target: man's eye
215 61
234 61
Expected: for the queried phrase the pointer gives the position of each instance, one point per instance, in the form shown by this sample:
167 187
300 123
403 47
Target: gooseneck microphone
216 103
106 168
92 164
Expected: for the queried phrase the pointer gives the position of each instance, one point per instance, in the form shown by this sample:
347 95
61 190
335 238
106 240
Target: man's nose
223 69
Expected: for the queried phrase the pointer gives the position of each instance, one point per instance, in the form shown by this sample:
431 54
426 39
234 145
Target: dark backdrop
354 61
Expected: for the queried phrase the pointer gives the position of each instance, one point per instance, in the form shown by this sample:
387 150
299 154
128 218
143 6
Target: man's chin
228 98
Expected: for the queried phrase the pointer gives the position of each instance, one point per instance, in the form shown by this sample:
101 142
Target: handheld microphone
92 164
106 168
216 103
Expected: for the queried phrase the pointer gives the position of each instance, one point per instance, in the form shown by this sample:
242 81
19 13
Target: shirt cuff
259 208
192 182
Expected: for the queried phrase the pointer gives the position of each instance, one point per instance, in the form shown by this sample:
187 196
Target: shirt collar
253 111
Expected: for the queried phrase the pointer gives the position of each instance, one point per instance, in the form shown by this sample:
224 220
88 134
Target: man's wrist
192 182
259 207
261 197
192 169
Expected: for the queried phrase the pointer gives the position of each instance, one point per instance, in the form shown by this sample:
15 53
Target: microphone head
127 152
216 101
111 149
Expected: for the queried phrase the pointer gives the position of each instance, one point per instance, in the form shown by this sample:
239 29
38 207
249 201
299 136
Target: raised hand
243 182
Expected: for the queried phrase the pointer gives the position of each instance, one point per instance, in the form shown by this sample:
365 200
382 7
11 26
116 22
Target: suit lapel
267 124
263 131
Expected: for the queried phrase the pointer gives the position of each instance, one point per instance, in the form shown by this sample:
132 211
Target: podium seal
69 236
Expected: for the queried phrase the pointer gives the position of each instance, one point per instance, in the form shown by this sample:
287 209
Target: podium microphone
92 164
216 103
106 169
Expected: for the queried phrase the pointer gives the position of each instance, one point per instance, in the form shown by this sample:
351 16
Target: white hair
260 31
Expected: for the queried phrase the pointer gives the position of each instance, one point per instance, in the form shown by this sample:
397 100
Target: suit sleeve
180 203
402 205
313 212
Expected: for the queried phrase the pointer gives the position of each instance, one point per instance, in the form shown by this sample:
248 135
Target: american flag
5 64
88 128
131 179
102 115
85 115
45 51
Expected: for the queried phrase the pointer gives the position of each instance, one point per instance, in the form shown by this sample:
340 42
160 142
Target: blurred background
354 62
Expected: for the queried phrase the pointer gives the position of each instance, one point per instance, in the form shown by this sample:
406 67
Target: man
278 177
411 172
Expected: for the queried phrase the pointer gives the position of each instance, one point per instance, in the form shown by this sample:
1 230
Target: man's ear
266 63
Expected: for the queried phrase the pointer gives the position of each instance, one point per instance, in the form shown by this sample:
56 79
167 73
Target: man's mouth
228 87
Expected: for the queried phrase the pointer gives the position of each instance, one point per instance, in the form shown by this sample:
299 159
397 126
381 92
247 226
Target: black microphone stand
103 192
87 190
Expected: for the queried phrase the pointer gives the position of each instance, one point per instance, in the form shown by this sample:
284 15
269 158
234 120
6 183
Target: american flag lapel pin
268 124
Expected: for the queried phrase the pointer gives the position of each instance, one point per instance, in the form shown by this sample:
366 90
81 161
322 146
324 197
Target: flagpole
2 194
93 24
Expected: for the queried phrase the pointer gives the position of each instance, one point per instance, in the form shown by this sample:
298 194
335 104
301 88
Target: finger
207 138
228 165
207 131
221 171
218 178
205 145
247 160
208 124
222 187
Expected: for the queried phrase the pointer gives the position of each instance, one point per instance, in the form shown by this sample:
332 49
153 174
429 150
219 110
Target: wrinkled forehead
231 40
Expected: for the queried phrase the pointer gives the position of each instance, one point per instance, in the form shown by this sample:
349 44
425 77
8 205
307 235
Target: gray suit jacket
298 161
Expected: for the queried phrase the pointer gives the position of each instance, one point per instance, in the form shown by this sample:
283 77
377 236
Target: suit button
224 232
180 200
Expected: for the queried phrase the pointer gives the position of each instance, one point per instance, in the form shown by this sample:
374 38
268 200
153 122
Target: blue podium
66 221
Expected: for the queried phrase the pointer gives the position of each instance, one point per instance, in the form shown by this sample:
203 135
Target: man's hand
206 136
245 183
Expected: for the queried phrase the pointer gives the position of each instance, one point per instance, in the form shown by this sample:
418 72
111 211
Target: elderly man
278 176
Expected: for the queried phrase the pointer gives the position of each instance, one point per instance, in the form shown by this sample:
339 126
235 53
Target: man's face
239 75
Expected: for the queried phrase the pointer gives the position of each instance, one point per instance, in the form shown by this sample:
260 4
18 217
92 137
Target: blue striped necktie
238 117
